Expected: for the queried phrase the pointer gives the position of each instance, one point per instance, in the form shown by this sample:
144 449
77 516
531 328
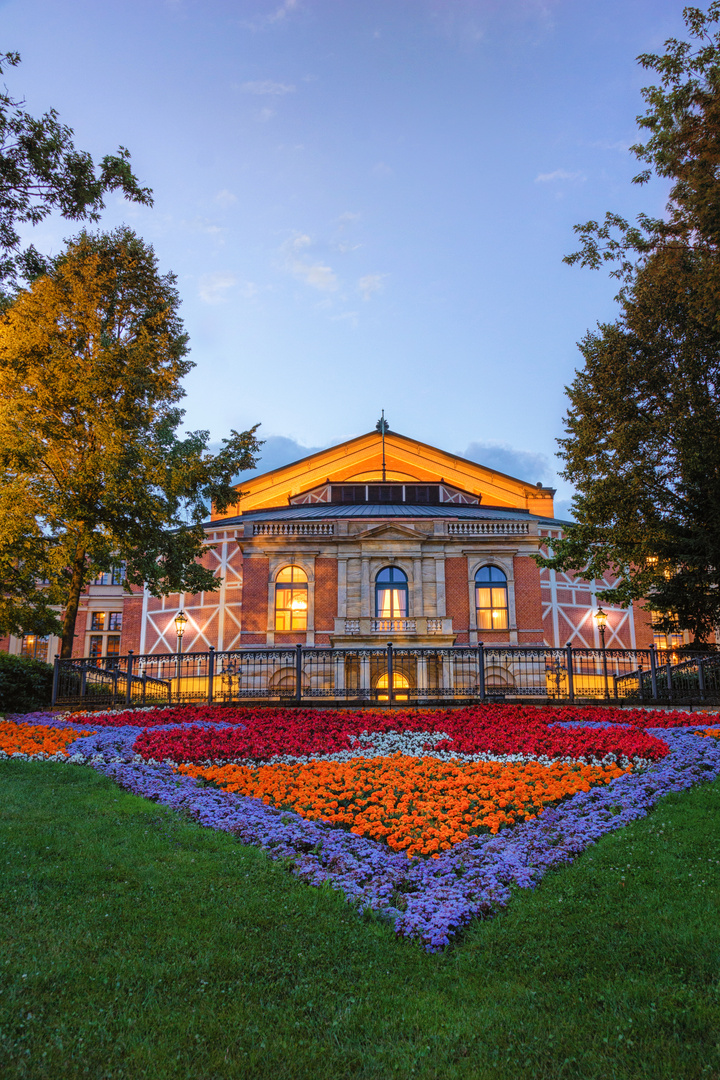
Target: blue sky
366 202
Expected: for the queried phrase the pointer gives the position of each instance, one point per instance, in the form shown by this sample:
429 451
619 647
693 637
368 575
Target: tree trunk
71 609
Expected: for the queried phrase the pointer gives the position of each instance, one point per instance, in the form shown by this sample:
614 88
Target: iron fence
392 676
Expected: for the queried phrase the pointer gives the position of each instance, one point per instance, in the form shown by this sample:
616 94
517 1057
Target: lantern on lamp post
180 620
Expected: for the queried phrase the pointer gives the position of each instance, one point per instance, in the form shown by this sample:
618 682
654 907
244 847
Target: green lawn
135 944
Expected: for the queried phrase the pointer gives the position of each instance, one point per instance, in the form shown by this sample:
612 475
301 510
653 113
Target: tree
91 358
642 435
40 172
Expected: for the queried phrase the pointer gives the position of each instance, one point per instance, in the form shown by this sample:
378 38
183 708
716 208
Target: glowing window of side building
491 599
34 647
391 594
291 599
101 643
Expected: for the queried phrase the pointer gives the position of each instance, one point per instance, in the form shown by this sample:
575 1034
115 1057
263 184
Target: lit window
400 687
291 599
391 594
96 644
113 645
97 620
115 620
34 647
116 576
661 640
491 599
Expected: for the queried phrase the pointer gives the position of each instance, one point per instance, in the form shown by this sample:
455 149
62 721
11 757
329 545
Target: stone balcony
371 631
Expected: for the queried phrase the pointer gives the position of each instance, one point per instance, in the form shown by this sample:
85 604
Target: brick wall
82 623
131 622
456 596
528 601
256 573
326 586
643 629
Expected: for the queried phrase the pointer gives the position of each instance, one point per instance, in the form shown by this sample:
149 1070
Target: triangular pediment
390 531
407 461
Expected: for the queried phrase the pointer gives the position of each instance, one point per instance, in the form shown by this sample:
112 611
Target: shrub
24 684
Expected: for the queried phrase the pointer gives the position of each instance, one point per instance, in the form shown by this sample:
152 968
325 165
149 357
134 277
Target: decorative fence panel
390 675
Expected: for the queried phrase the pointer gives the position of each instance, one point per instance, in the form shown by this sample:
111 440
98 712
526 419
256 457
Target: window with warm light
116 576
391 594
661 640
99 642
401 686
491 599
34 647
291 599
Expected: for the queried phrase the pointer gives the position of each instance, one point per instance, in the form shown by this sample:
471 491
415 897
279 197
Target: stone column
418 609
342 587
440 585
365 606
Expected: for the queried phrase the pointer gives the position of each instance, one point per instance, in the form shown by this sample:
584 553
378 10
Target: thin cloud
523 464
213 288
225 198
267 86
277 16
370 284
315 274
264 115
283 11
559 174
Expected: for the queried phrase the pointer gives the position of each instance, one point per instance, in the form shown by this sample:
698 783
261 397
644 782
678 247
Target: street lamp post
180 620
601 620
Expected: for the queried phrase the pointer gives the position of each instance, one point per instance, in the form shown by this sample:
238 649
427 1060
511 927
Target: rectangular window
115 620
390 493
116 576
113 645
96 643
34 647
492 609
97 620
290 609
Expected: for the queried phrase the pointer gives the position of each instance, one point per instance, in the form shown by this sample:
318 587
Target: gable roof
407 460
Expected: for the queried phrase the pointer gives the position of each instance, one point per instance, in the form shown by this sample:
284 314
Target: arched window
401 685
291 599
491 599
391 594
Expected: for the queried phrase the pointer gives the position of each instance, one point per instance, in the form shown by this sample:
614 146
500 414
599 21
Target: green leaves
42 172
91 361
642 442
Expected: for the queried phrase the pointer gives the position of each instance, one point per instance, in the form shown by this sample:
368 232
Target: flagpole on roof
382 426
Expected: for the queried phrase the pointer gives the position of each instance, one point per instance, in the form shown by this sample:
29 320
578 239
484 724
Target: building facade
369 541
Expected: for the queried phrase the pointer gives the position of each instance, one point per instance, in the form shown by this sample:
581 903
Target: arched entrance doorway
401 686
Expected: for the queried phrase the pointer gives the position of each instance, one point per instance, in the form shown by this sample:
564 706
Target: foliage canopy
642 434
42 172
92 470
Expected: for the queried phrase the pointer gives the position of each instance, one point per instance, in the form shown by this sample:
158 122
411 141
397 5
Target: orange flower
417 805
35 740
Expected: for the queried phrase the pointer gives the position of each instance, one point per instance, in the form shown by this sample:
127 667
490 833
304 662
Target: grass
135 944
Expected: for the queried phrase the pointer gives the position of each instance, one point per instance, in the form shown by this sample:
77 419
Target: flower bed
417 805
35 741
261 734
405 783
